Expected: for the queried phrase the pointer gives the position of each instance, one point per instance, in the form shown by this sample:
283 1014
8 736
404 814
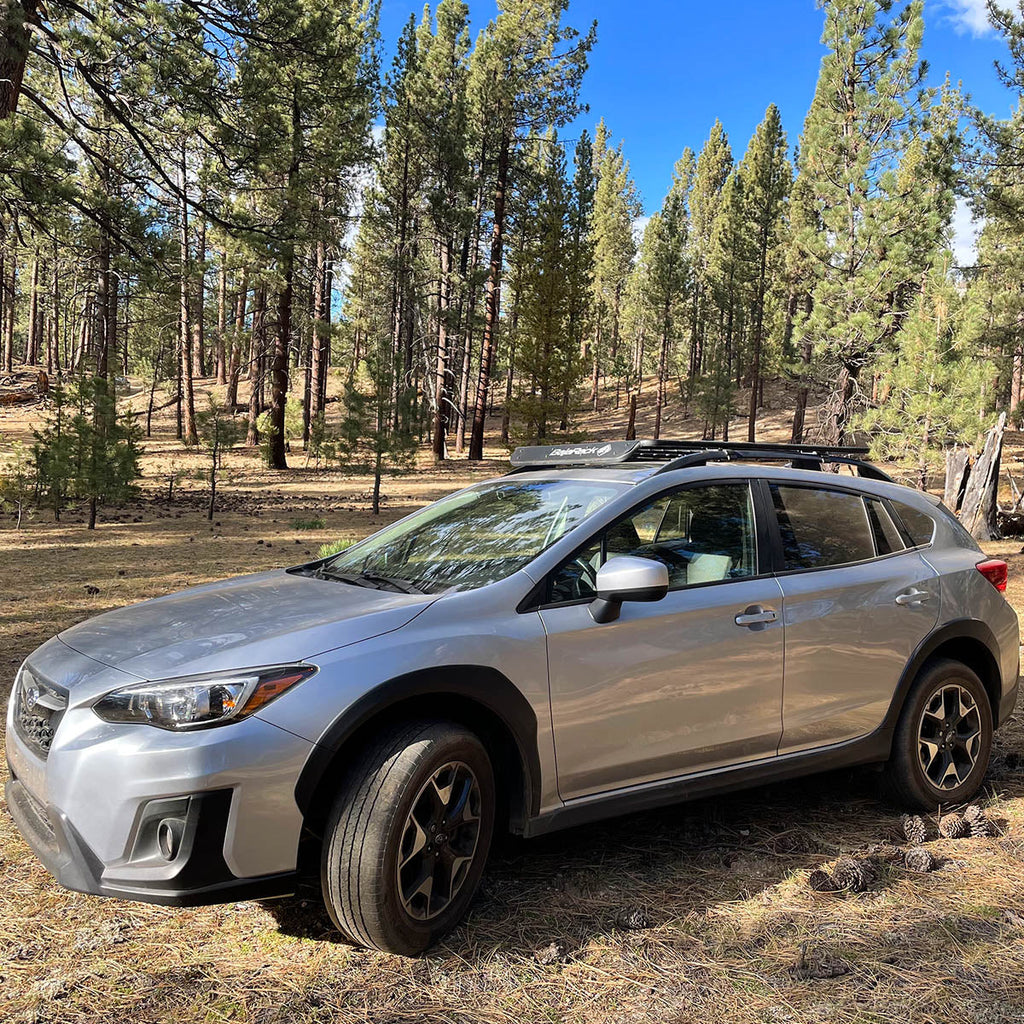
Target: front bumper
202 877
90 808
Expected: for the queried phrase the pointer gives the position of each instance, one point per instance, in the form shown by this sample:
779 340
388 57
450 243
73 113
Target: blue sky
663 70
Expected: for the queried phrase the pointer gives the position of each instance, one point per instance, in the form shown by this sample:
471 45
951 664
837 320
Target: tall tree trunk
235 359
802 395
279 365
199 292
506 413
758 341
14 50
492 307
127 325
222 320
470 263
662 371
9 285
1015 376
320 354
32 337
442 396
7 360
53 349
256 364
189 433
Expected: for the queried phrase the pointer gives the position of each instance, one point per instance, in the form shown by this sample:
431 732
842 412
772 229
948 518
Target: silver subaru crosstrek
607 628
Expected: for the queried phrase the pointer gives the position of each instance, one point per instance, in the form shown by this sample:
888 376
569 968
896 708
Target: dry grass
733 931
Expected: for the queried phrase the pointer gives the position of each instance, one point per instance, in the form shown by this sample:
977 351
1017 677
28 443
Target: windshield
475 537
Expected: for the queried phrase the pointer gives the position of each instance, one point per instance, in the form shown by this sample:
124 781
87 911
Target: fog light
168 837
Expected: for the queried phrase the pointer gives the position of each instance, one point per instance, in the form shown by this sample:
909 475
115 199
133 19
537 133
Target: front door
685 684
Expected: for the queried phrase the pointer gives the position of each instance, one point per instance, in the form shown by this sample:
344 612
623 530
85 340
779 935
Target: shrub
308 524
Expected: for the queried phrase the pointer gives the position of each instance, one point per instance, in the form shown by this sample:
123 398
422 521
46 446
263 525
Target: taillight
996 571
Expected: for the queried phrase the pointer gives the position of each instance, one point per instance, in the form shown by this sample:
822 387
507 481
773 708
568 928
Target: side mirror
627 579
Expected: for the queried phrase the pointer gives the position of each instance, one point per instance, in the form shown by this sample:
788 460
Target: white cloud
964 235
639 227
968 16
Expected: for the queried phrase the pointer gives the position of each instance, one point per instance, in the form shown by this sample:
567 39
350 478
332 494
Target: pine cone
852 874
981 827
821 881
884 853
919 859
632 920
952 826
973 811
914 829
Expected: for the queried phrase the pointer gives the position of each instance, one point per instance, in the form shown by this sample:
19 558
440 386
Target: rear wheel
408 837
943 740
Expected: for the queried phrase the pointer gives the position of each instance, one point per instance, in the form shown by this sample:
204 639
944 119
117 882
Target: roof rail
680 454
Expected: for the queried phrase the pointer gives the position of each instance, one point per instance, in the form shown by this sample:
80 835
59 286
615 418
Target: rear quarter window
919 526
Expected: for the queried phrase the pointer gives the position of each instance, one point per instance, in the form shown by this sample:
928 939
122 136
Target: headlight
194 702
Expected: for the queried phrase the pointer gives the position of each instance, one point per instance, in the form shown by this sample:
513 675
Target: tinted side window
701 534
887 537
921 527
821 528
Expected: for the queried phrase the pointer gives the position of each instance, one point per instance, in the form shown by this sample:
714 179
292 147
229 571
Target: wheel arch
968 641
478 697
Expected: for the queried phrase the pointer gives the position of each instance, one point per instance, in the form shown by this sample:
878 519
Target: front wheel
943 740
408 837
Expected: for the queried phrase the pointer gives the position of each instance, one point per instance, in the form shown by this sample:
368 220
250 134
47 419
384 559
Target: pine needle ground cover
701 912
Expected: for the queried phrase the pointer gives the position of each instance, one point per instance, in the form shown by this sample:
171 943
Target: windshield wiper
368 579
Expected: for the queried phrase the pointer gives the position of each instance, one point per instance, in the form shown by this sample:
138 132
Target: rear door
691 682
857 602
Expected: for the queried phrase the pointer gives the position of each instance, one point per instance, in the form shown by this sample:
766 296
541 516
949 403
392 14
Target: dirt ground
691 914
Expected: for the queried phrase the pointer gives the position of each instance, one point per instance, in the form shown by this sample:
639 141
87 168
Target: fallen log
19 397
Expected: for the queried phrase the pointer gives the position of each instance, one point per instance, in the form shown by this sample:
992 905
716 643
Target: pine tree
713 168
441 106
616 206
218 430
579 258
727 276
767 179
665 273
307 101
930 385
526 77
881 203
548 359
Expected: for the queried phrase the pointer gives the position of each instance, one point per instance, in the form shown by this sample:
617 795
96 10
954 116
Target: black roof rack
680 454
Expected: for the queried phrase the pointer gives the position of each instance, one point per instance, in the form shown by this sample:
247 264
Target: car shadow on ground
644 869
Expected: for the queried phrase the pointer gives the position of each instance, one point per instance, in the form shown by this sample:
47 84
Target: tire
378 845
930 765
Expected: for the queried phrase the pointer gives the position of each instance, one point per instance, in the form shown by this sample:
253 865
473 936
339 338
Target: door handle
755 615
912 597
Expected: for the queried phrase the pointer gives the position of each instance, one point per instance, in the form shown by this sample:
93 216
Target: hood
267 619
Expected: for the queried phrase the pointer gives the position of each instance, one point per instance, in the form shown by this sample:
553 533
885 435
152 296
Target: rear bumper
1008 703
198 876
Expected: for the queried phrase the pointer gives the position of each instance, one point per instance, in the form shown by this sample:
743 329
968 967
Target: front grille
38 708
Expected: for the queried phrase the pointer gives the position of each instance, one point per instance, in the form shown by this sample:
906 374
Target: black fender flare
485 687
957 629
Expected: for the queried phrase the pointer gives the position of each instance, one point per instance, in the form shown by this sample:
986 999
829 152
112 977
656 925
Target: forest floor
733 931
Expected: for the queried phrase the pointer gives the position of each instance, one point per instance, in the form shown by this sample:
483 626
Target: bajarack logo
587 449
